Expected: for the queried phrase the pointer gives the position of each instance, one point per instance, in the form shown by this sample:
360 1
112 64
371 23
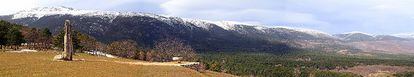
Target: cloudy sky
332 16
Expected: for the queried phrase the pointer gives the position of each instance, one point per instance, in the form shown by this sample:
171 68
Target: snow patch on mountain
358 32
47 11
199 23
232 25
404 35
228 25
308 31
261 28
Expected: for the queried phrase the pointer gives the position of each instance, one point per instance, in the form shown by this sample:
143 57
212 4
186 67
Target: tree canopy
10 33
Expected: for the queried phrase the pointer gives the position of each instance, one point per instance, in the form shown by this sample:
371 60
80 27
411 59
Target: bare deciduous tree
141 55
171 47
37 38
87 42
123 48
148 56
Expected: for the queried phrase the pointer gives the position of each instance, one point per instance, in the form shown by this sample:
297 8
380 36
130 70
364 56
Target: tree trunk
14 47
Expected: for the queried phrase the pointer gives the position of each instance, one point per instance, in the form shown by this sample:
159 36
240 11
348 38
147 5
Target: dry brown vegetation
391 47
172 47
376 70
40 64
163 51
123 48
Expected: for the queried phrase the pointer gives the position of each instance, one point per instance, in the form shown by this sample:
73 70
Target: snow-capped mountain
146 29
377 43
358 32
308 31
357 36
40 12
48 11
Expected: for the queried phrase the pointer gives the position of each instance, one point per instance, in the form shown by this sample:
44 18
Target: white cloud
11 6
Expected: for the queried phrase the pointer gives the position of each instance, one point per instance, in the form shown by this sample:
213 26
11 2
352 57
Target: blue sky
332 16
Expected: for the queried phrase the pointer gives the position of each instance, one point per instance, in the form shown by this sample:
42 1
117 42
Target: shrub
405 74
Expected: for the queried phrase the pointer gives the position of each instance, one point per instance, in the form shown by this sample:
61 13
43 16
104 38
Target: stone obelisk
68 45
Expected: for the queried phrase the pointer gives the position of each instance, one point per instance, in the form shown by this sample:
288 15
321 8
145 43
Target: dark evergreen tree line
10 35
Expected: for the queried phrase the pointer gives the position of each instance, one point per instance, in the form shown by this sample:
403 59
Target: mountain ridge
204 35
228 25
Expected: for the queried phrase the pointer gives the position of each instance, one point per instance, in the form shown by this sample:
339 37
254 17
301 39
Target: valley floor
377 70
310 64
40 64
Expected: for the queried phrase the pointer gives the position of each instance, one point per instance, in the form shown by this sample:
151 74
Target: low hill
40 64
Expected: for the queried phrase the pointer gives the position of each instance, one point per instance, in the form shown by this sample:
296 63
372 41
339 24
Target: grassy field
40 64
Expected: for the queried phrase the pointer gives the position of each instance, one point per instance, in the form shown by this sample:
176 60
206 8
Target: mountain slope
356 36
203 35
377 43
385 46
144 28
405 35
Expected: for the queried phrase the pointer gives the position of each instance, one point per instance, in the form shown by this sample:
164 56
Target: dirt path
145 63
22 51
159 63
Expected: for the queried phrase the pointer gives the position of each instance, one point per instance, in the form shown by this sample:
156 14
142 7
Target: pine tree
14 37
46 36
58 40
10 34
46 32
3 32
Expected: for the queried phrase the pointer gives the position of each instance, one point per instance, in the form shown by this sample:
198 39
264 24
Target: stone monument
68 45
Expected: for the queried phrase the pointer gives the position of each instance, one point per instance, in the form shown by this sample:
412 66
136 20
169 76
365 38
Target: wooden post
68 46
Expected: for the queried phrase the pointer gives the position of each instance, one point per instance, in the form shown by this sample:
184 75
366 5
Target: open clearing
377 70
40 64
